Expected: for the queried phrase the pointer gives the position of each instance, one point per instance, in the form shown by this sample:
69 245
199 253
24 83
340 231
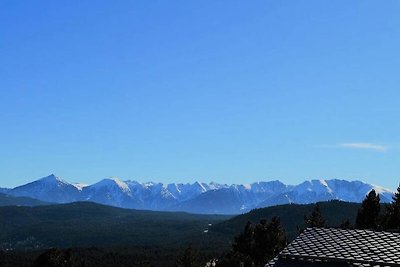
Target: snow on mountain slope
221 201
50 188
112 191
311 191
323 190
158 196
79 186
153 196
196 197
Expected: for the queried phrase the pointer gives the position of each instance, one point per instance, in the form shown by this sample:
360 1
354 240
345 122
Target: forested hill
291 216
123 235
90 224
7 200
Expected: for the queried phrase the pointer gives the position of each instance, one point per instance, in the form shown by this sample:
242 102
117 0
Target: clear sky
176 91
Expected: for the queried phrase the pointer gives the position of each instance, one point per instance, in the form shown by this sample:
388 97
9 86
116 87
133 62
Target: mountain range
204 198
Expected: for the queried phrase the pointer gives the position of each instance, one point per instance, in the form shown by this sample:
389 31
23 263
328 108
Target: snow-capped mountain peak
112 182
52 179
50 188
79 186
197 197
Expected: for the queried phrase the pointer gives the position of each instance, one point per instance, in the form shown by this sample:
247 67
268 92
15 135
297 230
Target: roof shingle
324 246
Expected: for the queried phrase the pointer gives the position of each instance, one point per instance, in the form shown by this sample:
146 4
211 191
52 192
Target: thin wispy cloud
366 146
359 145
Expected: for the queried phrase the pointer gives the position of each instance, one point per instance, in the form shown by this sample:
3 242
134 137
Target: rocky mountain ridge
207 198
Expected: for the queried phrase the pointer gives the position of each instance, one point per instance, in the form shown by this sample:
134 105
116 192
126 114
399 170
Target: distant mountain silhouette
212 198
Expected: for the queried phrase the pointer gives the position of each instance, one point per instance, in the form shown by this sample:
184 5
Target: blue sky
177 91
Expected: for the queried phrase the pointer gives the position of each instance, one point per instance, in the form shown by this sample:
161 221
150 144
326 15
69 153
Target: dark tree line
256 245
369 212
189 258
370 216
315 219
391 218
260 243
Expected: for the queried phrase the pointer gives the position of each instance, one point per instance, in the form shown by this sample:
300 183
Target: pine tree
392 215
242 248
188 259
368 213
243 243
315 219
256 245
345 224
58 258
269 240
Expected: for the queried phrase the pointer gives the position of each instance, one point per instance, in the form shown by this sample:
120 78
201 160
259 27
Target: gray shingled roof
325 246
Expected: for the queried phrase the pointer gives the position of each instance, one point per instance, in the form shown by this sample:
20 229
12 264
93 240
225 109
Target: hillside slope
291 215
89 224
7 200
84 224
